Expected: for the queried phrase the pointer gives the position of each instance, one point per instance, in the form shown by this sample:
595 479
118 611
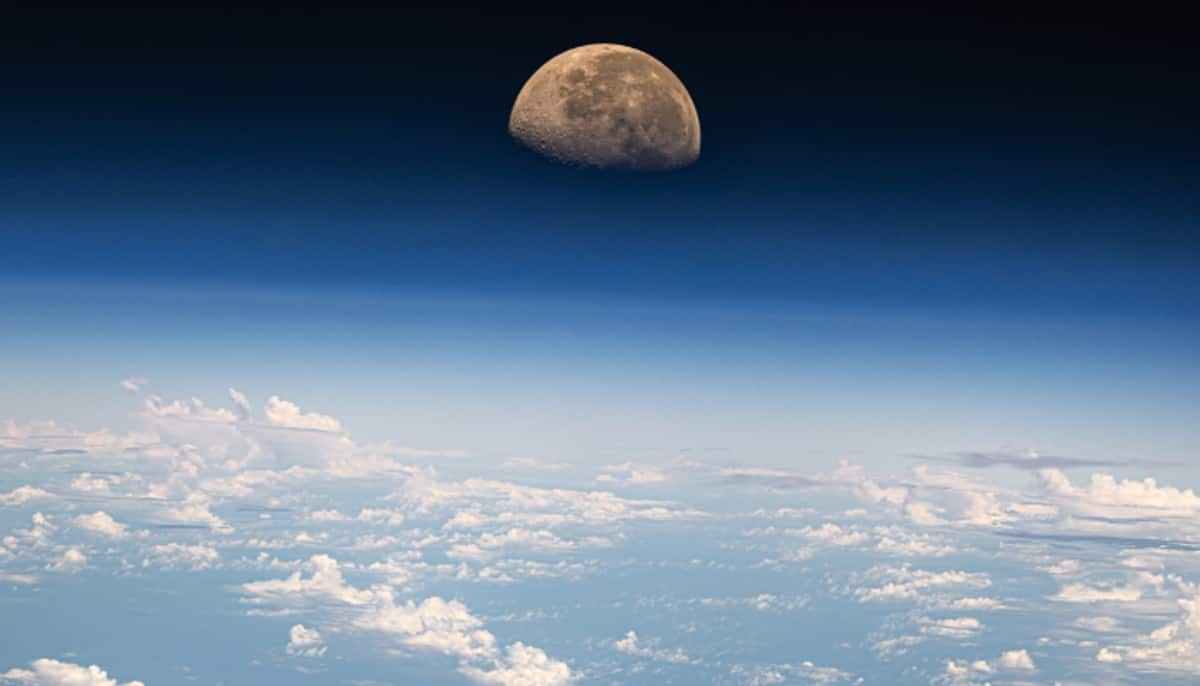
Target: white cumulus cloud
280 412
71 561
22 495
102 523
47 672
305 642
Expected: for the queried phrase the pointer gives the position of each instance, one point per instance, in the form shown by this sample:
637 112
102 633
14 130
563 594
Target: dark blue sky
1008 158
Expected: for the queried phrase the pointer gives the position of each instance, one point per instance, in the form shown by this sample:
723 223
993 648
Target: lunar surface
607 105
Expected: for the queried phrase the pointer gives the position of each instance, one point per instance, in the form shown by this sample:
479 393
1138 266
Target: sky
926 305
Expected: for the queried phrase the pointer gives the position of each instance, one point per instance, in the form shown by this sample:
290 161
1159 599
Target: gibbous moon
607 105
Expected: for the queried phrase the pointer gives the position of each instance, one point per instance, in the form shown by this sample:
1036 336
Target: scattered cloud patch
133 384
182 556
47 672
280 412
102 523
630 644
72 561
629 474
892 583
305 642
23 495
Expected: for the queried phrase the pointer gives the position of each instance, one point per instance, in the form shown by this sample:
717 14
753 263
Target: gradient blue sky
874 256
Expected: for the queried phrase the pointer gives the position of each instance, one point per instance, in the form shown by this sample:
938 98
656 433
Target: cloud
402 529
445 626
899 542
951 627
629 474
381 516
1106 496
305 642
1027 459
23 495
434 624
763 602
1154 559
1082 593
772 479
194 510
957 629
47 440
448 627
47 672
286 414
286 436
924 514
98 484
509 570
905 583
21 579
523 665
1016 660
327 516
181 556
868 490
785 673
937 498
324 582
193 410
630 644
488 544
1101 624
241 404
70 562
1104 506
966 672
898 645
1063 568
786 513
505 503
962 671
1173 647
133 384
830 534
102 523
39 533
893 541
978 603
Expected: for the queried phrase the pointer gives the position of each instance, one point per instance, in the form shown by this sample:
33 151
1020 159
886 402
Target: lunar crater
607 105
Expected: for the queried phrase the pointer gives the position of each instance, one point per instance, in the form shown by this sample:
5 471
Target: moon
607 105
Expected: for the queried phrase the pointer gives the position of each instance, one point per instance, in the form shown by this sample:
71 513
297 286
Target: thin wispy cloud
1031 460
